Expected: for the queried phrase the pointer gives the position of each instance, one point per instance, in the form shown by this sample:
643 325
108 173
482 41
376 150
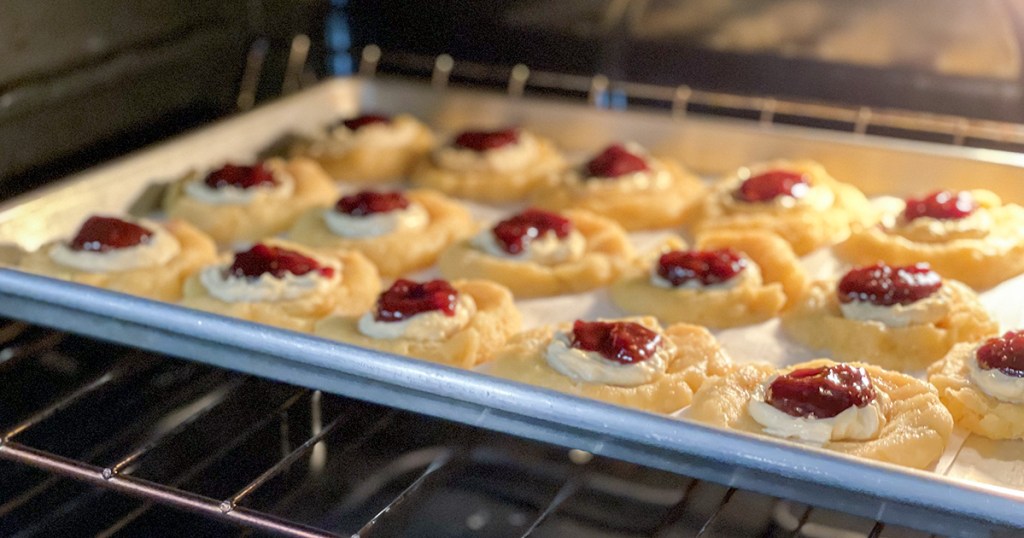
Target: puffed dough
361 163
355 293
972 408
492 186
817 321
656 207
163 283
698 358
495 320
252 222
805 228
401 251
608 252
744 303
980 263
916 428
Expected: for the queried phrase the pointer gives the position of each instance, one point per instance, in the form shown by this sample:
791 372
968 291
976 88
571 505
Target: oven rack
334 434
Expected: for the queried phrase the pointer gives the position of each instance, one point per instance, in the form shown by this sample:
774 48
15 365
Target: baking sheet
708 146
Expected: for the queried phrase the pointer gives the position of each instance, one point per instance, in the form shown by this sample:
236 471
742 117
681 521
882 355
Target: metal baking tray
922 499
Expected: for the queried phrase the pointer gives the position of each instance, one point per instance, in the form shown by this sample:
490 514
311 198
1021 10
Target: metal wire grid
334 433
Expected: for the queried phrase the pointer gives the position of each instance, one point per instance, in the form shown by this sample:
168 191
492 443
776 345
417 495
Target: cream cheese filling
197 189
592 367
161 247
393 134
508 158
267 287
425 326
993 382
548 249
852 424
749 276
928 310
930 230
413 217
816 197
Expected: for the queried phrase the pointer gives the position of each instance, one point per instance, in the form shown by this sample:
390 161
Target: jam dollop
820 392
515 233
406 298
241 177
102 234
367 203
943 205
481 141
885 285
705 266
769 185
624 342
1004 353
264 259
358 122
615 161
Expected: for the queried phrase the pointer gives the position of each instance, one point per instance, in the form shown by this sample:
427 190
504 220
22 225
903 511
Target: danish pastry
371 148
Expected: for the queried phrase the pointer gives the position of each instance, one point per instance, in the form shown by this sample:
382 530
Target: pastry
398 232
248 203
371 148
798 200
461 324
856 409
902 318
286 285
537 253
970 236
490 166
631 362
731 278
134 256
982 385
627 185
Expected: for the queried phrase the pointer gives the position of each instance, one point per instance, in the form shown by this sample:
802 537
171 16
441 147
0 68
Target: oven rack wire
330 418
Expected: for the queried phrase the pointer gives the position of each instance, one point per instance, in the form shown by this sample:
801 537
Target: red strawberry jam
405 298
263 259
481 141
368 203
1004 353
513 234
944 205
820 392
102 234
358 122
624 342
705 266
242 177
885 285
772 184
616 161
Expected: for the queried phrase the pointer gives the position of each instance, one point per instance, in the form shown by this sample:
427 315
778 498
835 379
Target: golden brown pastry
852 408
371 148
490 166
970 236
898 317
731 278
286 285
627 185
798 200
982 385
631 362
248 203
461 324
398 232
538 253
134 256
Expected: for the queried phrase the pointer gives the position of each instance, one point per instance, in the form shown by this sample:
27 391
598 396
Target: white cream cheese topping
928 310
815 197
992 382
508 158
161 247
852 424
414 217
341 139
929 230
267 288
425 326
592 367
197 189
749 276
654 178
548 249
